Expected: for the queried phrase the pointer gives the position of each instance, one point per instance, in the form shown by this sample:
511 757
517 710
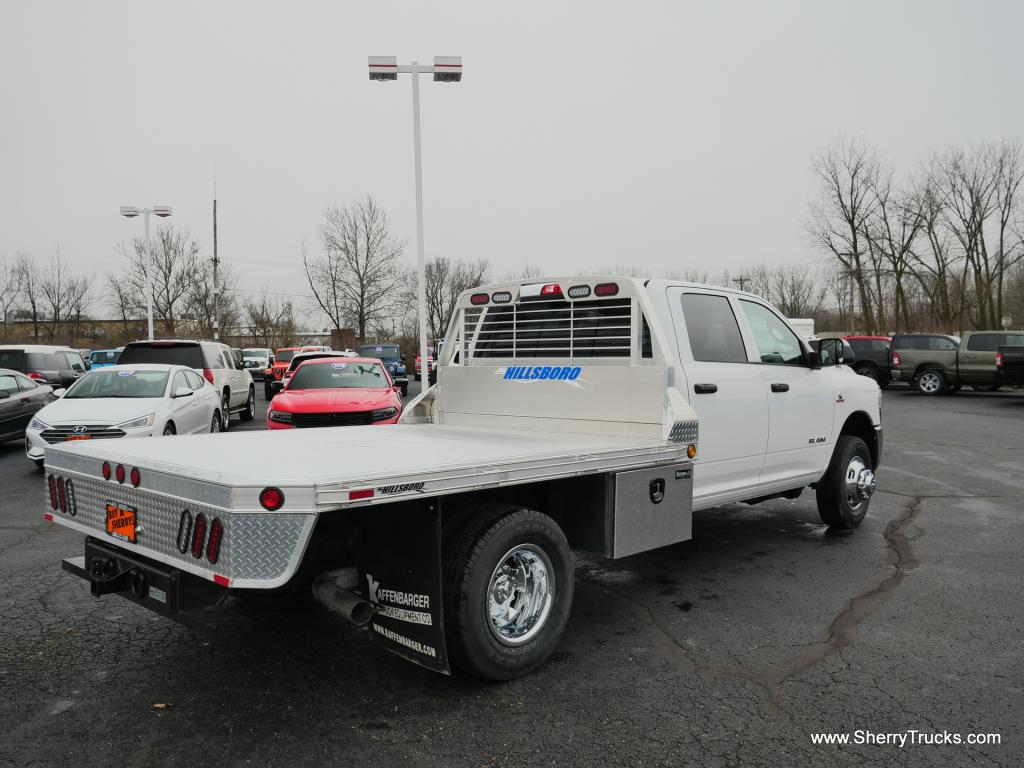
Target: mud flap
400 574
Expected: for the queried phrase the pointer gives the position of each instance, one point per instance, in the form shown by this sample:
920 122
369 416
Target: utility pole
742 281
216 288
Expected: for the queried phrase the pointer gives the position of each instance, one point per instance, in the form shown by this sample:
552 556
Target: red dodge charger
336 392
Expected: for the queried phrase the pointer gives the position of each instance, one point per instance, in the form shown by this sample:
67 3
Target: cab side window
987 342
74 361
776 344
712 329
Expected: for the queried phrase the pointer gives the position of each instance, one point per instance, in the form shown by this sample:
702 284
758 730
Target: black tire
225 412
931 382
215 423
883 382
250 406
417 377
169 429
839 505
405 390
40 465
268 393
479 545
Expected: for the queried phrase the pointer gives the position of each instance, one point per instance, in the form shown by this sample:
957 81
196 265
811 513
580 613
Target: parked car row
937 363
180 386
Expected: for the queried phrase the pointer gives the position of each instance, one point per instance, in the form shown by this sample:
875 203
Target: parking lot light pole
446 69
130 212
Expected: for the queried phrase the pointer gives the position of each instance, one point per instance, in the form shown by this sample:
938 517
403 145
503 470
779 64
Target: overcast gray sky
584 134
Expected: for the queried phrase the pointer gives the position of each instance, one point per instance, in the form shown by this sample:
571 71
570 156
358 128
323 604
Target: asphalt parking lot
729 650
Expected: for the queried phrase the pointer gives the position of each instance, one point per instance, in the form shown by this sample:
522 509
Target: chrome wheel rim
859 483
215 423
252 404
929 382
520 595
225 414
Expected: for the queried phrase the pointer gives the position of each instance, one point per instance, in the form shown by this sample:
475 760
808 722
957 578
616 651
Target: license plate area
121 521
71 438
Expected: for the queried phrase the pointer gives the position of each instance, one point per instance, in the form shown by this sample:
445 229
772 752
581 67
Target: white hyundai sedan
126 401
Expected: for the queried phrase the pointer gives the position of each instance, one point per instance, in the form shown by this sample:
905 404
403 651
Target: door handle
705 389
780 387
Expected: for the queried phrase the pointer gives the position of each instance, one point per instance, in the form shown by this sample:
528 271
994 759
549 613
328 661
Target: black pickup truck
1010 363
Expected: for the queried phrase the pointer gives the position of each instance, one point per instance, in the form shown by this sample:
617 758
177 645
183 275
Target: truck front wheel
844 492
508 591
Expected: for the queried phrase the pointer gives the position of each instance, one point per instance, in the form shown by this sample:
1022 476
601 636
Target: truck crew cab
588 412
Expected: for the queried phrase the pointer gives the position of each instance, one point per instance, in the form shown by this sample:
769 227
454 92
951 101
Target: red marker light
47 516
551 289
224 581
216 536
135 476
366 493
198 536
119 473
606 289
106 470
271 499
52 483
479 298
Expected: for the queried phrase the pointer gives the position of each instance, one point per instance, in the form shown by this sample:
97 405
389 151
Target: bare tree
358 276
29 278
175 266
445 280
64 298
270 321
200 300
10 291
847 172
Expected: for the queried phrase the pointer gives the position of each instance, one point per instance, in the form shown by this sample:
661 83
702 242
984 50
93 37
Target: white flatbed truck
591 413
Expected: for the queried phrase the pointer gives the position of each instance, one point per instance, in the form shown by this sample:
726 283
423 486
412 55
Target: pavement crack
843 629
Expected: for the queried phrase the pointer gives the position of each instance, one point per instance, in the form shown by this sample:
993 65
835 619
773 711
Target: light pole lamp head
129 211
163 211
383 67
447 69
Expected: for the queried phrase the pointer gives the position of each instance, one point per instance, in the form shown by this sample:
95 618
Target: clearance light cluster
134 476
62 496
200 537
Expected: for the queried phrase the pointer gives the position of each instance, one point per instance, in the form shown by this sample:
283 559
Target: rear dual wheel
508 591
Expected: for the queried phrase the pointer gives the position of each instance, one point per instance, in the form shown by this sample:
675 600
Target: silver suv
216 362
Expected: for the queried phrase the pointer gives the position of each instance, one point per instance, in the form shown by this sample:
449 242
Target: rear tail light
606 289
135 476
479 298
999 359
208 375
34 375
271 499
895 358
198 536
119 473
72 502
184 531
62 496
52 483
551 289
366 493
106 470
216 534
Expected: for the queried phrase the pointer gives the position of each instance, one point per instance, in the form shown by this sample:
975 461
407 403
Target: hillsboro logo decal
527 373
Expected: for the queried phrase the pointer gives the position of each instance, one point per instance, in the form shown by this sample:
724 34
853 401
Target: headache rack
556 327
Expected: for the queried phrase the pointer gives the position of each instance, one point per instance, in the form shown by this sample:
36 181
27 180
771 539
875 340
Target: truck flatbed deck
331 461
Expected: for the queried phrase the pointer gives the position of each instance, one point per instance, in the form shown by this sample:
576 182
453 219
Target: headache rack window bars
558 328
